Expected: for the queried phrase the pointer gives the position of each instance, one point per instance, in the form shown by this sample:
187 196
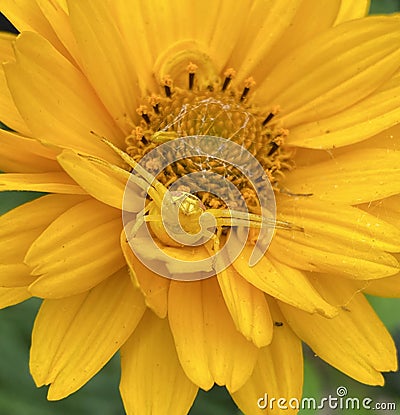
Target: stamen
268 119
191 68
248 83
251 198
271 115
154 101
273 149
167 81
138 134
270 175
218 109
229 75
278 140
142 111
282 133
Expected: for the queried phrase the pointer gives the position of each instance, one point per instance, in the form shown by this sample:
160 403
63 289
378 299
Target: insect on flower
180 218
157 251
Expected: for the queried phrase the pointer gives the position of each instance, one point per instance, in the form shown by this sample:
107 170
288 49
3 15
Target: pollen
219 109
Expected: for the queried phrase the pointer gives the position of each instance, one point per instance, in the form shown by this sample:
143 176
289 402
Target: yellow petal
73 338
13 296
387 209
15 275
247 307
62 3
192 31
6 46
10 115
133 25
282 282
297 33
264 24
22 225
344 224
64 114
152 379
24 155
105 60
56 13
153 287
387 139
348 61
350 10
384 287
182 263
102 181
327 255
351 178
26 15
336 238
209 347
278 372
54 182
304 157
355 342
365 118
191 261
77 251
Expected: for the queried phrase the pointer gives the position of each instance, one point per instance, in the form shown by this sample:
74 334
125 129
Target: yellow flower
316 101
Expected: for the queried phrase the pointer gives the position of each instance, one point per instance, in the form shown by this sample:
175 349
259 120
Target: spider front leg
141 218
216 246
216 239
250 220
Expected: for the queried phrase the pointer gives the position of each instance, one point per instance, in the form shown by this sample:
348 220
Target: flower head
93 90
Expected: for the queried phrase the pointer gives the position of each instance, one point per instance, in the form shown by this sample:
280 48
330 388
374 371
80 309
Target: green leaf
384 6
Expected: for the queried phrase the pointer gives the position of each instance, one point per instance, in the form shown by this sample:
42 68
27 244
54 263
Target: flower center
218 110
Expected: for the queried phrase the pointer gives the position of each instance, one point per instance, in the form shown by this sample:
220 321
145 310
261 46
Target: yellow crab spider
189 208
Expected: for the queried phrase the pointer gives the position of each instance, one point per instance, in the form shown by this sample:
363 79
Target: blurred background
19 396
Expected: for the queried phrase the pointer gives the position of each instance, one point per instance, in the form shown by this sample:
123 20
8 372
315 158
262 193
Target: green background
19 396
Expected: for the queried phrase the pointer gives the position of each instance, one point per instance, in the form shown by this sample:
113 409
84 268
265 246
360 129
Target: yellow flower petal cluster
80 67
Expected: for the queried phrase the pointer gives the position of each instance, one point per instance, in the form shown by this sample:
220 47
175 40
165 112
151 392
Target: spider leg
146 181
234 221
140 220
250 220
216 246
216 239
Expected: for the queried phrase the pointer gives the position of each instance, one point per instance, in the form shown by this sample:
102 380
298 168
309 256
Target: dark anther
144 141
191 80
248 83
167 89
274 147
278 323
156 108
145 116
227 81
244 93
268 119
229 75
191 68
